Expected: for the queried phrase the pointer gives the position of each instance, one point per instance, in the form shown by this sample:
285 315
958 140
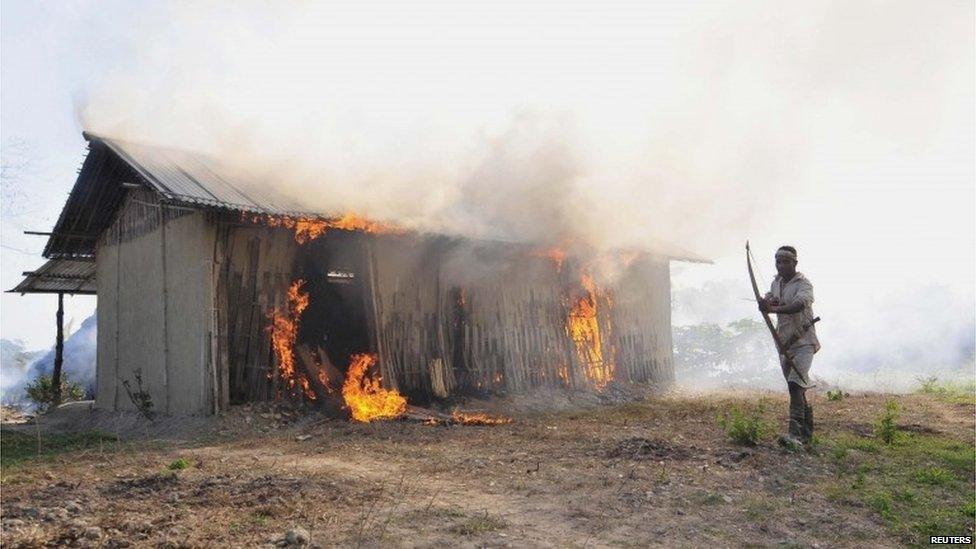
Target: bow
769 323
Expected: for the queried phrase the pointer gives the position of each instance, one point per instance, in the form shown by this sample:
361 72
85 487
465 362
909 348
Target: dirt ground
660 472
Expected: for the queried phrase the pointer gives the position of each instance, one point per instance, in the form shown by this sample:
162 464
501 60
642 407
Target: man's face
785 266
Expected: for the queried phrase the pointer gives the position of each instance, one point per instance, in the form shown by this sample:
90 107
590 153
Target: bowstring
759 274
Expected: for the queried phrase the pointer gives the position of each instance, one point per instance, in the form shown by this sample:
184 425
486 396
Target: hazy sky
845 129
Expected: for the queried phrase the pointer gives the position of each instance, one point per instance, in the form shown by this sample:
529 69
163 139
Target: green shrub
952 391
928 385
178 465
885 427
745 428
836 395
935 476
41 391
882 504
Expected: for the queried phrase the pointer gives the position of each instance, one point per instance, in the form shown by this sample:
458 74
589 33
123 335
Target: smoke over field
720 340
21 367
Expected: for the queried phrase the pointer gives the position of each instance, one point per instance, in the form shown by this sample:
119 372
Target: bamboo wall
641 320
256 266
495 319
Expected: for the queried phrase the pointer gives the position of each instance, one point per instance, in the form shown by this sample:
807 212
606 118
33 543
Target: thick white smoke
843 128
615 124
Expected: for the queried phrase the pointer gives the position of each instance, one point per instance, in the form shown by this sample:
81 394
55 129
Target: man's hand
768 303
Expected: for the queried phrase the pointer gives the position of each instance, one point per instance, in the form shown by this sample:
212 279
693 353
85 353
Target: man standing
791 298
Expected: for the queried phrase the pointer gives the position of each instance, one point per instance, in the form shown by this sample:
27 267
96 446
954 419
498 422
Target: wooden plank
310 369
223 324
333 374
261 342
248 313
236 336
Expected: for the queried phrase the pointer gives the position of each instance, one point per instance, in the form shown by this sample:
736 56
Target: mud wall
154 267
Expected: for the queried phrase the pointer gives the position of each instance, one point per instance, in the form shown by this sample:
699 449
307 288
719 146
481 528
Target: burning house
213 295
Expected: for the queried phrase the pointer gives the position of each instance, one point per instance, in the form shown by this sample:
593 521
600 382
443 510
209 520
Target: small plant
885 427
929 385
41 391
868 446
836 395
905 495
745 428
663 477
882 504
479 525
815 444
178 465
790 444
969 509
934 476
861 476
140 398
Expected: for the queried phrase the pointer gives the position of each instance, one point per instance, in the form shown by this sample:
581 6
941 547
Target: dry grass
659 472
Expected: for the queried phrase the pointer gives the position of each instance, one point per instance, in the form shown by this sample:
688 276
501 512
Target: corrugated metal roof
179 177
91 206
191 178
69 276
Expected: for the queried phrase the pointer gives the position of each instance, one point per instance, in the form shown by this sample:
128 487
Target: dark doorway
336 320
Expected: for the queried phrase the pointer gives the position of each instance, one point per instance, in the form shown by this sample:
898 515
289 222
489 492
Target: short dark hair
790 249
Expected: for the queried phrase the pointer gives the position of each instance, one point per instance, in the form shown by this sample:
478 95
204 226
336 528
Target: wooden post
162 251
58 351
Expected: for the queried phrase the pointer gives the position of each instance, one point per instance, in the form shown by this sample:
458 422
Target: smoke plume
616 126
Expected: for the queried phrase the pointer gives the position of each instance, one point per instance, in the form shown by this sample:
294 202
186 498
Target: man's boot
797 428
808 421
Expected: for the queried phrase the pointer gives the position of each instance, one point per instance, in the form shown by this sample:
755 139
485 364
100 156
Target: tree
739 353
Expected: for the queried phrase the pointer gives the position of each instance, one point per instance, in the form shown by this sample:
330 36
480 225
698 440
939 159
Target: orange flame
308 229
557 255
627 258
583 327
478 419
364 396
366 399
284 332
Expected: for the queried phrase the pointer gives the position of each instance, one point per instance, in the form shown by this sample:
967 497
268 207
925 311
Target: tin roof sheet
69 276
